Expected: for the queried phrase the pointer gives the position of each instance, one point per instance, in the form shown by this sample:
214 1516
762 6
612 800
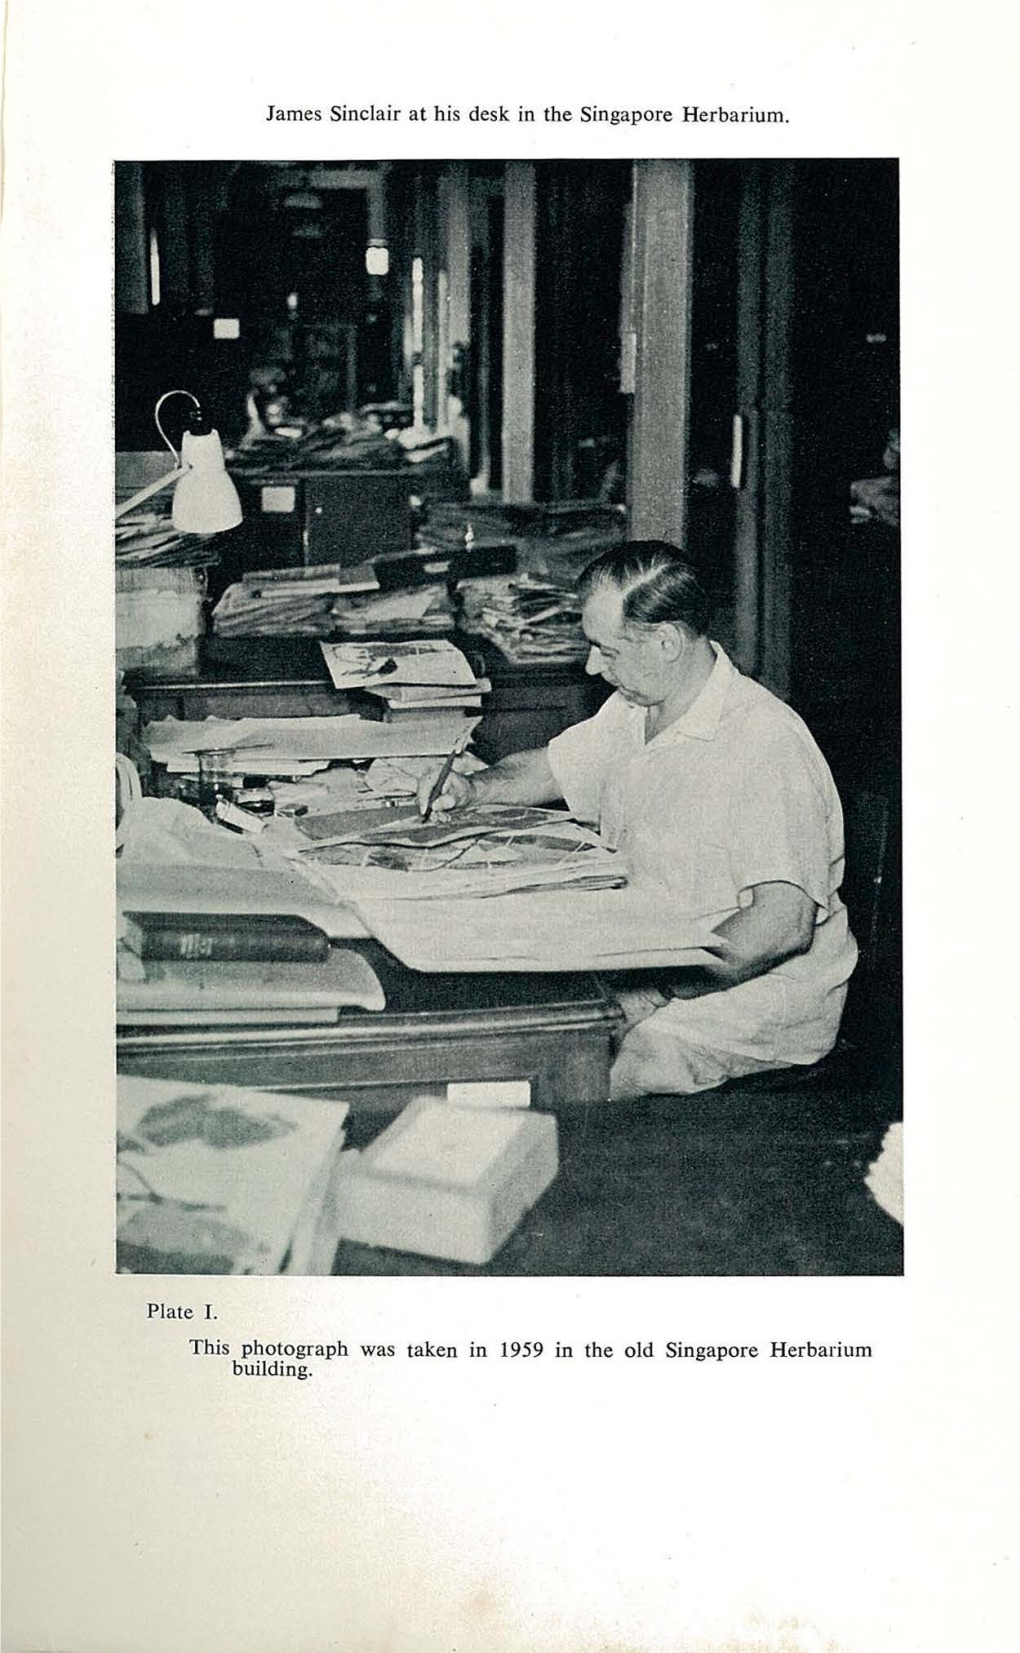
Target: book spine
229 946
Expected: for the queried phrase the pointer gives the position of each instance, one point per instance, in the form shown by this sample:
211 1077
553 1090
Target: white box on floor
448 1182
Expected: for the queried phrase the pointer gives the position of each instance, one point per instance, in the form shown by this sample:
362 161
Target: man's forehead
602 615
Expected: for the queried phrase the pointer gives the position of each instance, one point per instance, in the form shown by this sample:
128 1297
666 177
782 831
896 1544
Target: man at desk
715 791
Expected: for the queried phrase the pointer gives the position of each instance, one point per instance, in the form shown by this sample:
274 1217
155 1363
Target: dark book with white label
225 937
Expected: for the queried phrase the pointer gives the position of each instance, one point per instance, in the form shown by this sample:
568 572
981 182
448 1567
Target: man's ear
672 643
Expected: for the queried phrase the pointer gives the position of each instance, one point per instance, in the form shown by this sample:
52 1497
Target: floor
762 1178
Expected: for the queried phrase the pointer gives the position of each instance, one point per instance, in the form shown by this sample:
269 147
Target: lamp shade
205 499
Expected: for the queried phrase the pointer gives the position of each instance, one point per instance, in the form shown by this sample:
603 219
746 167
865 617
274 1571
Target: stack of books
215 969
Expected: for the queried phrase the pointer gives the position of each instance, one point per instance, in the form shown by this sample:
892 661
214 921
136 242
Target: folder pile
276 602
529 617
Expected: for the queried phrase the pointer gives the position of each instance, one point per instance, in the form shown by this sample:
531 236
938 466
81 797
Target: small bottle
215 778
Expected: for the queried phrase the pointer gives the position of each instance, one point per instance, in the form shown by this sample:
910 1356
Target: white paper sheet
299 740
251 1161
143 888
547 930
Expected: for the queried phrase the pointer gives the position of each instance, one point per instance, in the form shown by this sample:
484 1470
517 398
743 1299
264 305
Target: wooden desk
554 1030
287 677
749 1181
248 677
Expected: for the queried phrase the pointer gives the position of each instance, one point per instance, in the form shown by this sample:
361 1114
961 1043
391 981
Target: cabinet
312 517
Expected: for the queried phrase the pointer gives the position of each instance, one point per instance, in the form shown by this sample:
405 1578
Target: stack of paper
414 699
283 601
149 539
338 442
624 929
421 611
219 1180
411 678
145 888
243 612
297 745
476 852
529 617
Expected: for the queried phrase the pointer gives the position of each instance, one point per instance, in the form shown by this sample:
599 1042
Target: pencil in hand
435 790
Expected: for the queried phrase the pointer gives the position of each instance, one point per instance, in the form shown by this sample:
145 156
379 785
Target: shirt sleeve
786 825
582 756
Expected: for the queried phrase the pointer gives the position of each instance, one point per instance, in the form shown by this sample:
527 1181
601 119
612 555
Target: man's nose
593 664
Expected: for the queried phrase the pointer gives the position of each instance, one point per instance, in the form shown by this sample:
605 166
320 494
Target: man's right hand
519 778
457 791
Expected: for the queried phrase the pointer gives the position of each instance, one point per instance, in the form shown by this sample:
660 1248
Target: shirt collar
701 720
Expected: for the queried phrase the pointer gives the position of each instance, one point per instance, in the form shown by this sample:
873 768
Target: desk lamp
205 499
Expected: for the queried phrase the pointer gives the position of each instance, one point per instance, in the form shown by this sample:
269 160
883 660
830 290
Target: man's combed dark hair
658 583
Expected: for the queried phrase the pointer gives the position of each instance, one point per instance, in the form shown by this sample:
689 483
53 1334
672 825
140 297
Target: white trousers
679 1046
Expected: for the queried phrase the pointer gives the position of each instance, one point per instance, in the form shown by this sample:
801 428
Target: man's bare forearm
521 778
778 925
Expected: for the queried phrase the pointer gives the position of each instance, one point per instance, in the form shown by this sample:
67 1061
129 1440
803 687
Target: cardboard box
448 1182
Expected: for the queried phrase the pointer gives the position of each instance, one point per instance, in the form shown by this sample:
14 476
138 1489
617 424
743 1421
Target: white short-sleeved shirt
734 793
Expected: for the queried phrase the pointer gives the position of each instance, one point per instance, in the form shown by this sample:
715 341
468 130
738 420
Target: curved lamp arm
207 502
171 476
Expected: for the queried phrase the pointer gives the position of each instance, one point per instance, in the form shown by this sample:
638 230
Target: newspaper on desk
482 851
